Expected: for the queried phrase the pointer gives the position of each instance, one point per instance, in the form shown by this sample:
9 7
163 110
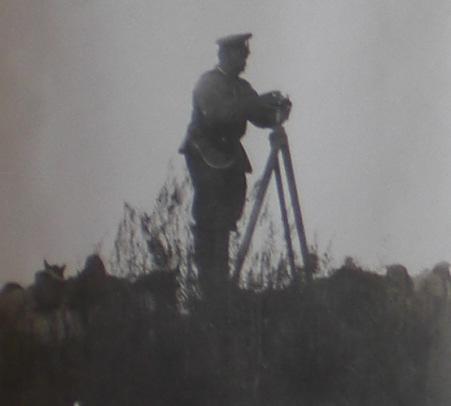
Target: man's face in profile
237 57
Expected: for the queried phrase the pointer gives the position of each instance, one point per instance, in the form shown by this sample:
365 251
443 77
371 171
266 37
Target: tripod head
278 137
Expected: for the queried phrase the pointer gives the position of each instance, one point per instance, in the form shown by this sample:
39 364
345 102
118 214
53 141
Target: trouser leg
219 195
211 254
212 260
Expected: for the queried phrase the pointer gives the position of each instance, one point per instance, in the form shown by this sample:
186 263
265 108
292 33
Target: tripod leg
254 215
283 209
296 209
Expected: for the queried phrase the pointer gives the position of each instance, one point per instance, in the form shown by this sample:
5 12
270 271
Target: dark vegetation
354 338
141 334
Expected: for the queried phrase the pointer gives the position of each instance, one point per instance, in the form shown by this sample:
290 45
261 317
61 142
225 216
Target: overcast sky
95 98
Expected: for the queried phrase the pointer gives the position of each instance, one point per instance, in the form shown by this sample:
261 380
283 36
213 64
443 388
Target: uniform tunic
215 157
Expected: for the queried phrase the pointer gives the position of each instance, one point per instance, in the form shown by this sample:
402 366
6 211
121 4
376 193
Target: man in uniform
223 103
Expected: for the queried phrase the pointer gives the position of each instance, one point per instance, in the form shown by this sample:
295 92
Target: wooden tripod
279 143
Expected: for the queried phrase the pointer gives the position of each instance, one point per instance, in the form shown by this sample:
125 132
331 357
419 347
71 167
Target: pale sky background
95 98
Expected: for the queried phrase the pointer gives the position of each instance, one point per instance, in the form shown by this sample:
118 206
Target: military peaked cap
234 40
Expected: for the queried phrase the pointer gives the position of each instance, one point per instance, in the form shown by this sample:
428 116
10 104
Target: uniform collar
218 68
223 72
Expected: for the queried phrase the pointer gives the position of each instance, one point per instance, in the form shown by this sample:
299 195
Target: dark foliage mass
353 338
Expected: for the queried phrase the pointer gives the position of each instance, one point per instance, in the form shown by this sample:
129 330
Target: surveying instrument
279 145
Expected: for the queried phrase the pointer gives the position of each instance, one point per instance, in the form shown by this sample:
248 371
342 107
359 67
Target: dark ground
354 338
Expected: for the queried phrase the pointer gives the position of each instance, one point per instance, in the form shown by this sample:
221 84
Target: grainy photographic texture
95 100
